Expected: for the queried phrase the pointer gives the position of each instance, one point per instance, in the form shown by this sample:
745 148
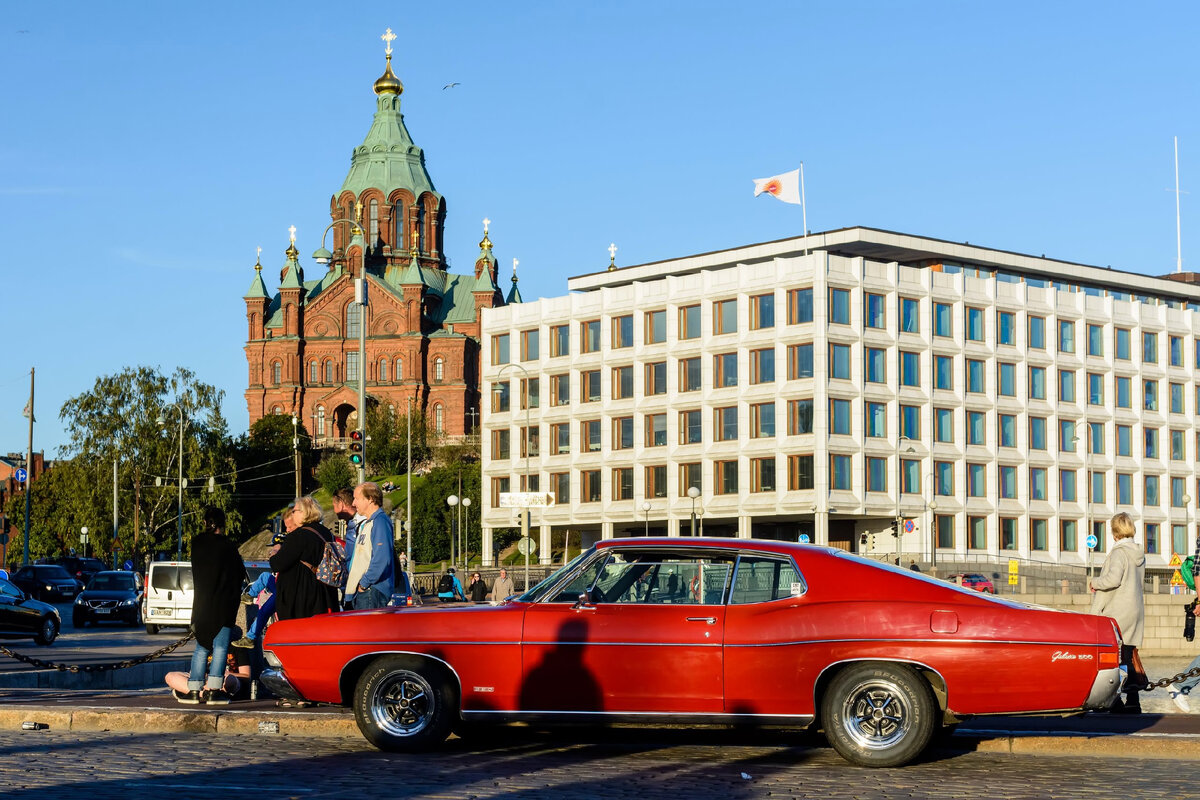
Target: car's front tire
151 629
47 632
878 714
403 704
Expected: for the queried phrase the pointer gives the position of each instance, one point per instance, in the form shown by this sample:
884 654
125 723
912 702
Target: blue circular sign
20 475
804 539
1092 541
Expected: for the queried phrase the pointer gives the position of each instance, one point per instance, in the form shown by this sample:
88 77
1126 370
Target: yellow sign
1013 579
1177 579
1013 564
1175 561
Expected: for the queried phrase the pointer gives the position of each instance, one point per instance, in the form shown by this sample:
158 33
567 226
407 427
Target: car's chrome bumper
1105 688
278 684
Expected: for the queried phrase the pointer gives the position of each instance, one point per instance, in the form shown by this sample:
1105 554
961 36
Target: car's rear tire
403 704
878 714
136 620
47 632
151 630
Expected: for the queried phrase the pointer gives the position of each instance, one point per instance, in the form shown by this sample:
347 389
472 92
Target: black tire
136 620
404 704
877 714
47 632
78 621
151 629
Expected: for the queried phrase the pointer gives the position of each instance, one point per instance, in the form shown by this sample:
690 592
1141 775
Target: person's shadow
561 682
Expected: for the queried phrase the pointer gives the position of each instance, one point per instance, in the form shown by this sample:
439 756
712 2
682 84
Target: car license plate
159 612
103 610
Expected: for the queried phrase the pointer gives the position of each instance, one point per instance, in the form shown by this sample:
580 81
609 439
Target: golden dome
388 83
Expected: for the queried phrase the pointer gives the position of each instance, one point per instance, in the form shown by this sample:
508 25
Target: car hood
39 606
109 594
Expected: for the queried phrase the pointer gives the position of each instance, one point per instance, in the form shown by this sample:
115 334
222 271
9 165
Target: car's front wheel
151 629
878 714
48 631
403 704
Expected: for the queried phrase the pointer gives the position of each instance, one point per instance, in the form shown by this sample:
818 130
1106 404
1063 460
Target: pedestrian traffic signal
356 447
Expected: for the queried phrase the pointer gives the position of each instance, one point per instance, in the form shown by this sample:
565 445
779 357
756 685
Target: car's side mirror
584 601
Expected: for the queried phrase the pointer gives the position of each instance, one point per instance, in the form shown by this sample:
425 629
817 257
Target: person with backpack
298 591
450 588
371 553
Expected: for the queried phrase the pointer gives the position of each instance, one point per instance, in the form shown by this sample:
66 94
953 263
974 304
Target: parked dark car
109 597
48 582
21 616
82 568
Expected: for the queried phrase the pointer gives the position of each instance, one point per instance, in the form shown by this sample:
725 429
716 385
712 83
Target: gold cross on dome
388 37
612 251
515 262
486 222
292 232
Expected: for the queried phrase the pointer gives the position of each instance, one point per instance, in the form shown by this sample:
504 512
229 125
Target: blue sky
147 149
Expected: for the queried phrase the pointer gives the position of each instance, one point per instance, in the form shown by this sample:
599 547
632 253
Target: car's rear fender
358 665
931 676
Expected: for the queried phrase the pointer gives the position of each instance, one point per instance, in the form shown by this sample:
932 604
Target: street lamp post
296 451
693 492
452 501
932 533
900 489
83 539
646 509
1087 495
179 505
464 532
525 441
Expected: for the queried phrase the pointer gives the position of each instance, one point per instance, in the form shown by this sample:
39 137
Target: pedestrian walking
503 587
217 574
1118 594
371 553
298 593
343 509
450 588
477 588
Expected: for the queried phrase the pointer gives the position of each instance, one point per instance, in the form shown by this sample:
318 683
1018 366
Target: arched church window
392 410
398 373
276 410
399 242
439 418
420 222
373 218
314 372
276 373
353 320
352 366
329 370
439 369
320 420
383 369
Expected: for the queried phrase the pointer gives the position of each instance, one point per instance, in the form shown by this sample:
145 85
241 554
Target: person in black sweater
298 592
217 575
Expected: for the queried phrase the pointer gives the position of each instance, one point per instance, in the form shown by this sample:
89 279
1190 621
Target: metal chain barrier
132 662
1165 682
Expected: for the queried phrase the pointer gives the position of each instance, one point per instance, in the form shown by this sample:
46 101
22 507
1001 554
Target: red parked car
973 580
705 631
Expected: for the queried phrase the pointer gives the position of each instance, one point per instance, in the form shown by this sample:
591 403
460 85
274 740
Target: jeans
1190 683
371 598
216 669
262 618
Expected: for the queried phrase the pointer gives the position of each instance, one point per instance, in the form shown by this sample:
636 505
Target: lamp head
693 492
322 256
452 500
466 501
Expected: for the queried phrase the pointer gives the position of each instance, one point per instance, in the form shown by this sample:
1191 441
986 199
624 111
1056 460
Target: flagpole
804 206
28 470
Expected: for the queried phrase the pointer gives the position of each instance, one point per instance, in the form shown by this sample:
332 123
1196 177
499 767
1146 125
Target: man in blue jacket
370 552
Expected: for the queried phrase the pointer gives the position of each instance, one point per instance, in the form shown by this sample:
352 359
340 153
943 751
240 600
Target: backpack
333 569
446 584
1187 571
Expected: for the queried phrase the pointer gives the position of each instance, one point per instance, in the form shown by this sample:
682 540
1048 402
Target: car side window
762 579
664 579
8 590
583 581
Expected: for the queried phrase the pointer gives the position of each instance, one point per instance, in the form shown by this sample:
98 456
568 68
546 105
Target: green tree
334 472
387 439
266 467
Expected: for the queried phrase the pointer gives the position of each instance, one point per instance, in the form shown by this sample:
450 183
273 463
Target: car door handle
709 620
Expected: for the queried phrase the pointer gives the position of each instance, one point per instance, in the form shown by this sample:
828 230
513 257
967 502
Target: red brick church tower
422 322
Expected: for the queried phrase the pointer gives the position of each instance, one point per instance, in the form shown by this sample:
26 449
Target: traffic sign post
21 475
526 501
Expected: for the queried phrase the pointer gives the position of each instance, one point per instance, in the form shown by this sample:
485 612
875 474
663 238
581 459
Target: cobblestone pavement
620 764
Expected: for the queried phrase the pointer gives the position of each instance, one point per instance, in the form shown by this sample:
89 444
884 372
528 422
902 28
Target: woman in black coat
298 593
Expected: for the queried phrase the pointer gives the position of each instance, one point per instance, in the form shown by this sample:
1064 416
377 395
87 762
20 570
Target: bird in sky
449 86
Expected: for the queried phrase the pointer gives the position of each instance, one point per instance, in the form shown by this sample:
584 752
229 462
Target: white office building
999 404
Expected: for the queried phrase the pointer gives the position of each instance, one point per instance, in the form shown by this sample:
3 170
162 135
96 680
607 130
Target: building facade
422 321
823 387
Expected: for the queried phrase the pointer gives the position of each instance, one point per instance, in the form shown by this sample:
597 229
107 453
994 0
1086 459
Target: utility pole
296 452
114 534
360 297
408 487
29 470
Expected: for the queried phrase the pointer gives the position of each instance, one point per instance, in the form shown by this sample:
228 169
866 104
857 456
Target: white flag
785 187
28 412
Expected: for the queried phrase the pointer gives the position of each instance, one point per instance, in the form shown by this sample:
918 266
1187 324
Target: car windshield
91 564
112 582
46 573
540 589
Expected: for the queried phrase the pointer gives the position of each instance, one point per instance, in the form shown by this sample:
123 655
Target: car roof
706 543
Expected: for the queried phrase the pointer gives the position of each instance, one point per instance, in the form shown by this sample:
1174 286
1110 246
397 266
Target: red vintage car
705 631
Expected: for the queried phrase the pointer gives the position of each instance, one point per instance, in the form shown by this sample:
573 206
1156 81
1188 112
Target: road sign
526 546
1092 541
1013 579
20 475
804 538
1013 566
526 499
909 525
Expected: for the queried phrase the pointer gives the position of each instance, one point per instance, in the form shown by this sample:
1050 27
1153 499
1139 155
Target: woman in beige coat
1118 594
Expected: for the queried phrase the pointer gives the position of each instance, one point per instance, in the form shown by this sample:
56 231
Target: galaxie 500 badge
1063 655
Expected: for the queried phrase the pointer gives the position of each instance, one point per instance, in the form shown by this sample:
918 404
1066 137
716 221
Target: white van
168 597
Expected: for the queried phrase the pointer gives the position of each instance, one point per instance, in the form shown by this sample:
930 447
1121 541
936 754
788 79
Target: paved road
647 765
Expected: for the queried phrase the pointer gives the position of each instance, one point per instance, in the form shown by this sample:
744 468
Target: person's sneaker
245 642
216 697
191 698
1179 698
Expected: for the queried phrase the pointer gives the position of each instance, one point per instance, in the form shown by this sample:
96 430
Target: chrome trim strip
492 644
795 643
920 641
689 715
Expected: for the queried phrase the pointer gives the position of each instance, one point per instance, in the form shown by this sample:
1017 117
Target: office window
1066 436
1008 430
725 370
876 474
499 486
800 472
1066 386
689 322
622 332
1007 378
762 312
1096 492
1006 327
943 481
1037 333
839 417
500 444
1124 489
943 320
656 481
975 378
622 383
622 433
1179 539
800 416
910 369
656 326
690 428
910 315
589 434
1149 348
724 316
762 474
1150 395
1095 389
1067 542
1124 392
876 420
839 361
1177 398
1066 336
530 345
943 372
656 378
589 333
589 486
725 424
560 484
1177 445
1125 441
976 480
873 311
800 361
1178 489
622 483
762 420
1037 483
1121 344
689 374
656 430
876 368
762 365
689 475
1095 340
1008 533
977 533
944 524
943 425
1150 439
1175 350
910 422
976 433
1096 438
1066 485
910 476
1037 433
725 475
560 340
839 473
531 393
800 306
1039 534
1150 498
974 324
839 306
500 397
1037 383
560 438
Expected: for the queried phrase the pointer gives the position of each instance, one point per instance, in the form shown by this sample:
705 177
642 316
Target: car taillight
1109 659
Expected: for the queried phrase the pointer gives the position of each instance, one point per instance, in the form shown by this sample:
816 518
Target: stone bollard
1066 586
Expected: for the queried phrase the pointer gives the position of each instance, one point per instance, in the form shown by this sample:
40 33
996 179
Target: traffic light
896 527
356 448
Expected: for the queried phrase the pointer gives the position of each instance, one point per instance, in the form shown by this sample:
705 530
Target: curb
1134 745
152 673
155 720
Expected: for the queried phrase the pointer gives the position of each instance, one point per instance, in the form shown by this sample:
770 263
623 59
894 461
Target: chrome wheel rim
876 714
48 630
403 703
